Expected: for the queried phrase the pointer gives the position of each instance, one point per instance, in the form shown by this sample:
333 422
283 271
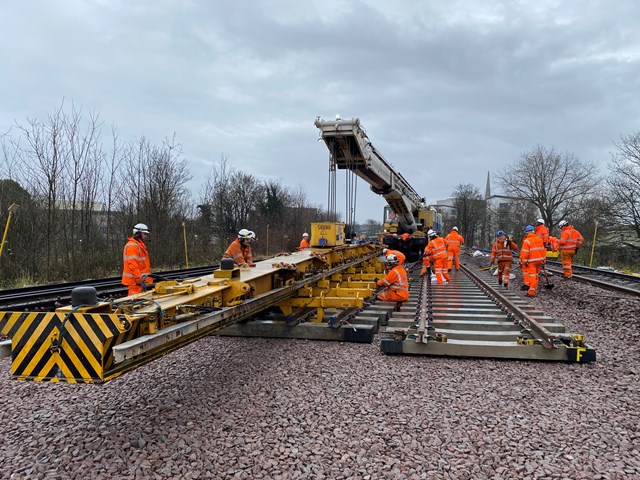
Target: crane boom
352 150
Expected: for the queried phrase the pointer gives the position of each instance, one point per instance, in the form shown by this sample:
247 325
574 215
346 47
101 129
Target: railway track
607 279
48 297
475 317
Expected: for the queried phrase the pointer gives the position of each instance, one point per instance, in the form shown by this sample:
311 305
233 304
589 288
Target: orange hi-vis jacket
405 236
135 259
304 243
543 232
397 253
454 239
397 281
501 251
239 254
570 239
533 249
554 243
435 249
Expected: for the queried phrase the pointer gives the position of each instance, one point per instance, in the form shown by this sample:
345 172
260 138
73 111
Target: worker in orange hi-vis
405 236
397 253
240 249
436 251
304 243
502 252
532 255
395 282
570 241
542 231
453 241
136 271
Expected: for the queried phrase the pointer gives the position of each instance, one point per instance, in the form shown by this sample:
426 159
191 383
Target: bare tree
470 209
625 182
555 183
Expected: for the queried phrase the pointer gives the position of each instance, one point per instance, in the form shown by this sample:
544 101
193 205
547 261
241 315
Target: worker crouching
395 284
532 256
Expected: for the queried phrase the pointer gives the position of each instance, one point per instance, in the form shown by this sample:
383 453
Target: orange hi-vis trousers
441 268
504 271
453 254
566 257
531 273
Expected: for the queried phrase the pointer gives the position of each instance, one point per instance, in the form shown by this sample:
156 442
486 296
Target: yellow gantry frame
77 344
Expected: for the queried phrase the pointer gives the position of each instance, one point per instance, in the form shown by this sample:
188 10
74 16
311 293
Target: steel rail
128 354
46 295
526 321
599 283
601 272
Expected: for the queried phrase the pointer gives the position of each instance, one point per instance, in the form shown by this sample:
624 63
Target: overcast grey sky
445 90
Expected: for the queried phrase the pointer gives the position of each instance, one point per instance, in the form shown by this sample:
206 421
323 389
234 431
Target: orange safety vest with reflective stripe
240 254
396 280
454 239
501 251
533 249
304 243
435 249
135 259
543 232
570 239
397 253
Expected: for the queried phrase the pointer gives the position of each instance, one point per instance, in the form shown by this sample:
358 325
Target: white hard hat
391 259
385 250
563 223
244 233
540 220
431 233
140 227
305 234
252 235
455 228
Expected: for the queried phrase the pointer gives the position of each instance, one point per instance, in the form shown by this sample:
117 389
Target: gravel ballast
282 409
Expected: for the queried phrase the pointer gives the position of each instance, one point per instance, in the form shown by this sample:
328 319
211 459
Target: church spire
487 192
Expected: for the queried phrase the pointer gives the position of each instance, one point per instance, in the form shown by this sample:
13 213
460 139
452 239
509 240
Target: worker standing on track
304 243
135 259
570 241
436 252
240 249
397 253
502 252
395 282
542 231
532 255
454 241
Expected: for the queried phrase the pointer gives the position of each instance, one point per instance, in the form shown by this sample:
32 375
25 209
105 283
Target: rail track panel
475 317
93 341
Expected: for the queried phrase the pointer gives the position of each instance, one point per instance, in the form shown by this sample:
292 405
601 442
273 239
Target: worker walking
570 241
454 240
542 231
304 243
532 255
401 256
135 259
502 252
240 249
395 282
436 252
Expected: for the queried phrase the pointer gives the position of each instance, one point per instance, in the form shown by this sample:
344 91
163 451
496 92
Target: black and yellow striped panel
45 347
